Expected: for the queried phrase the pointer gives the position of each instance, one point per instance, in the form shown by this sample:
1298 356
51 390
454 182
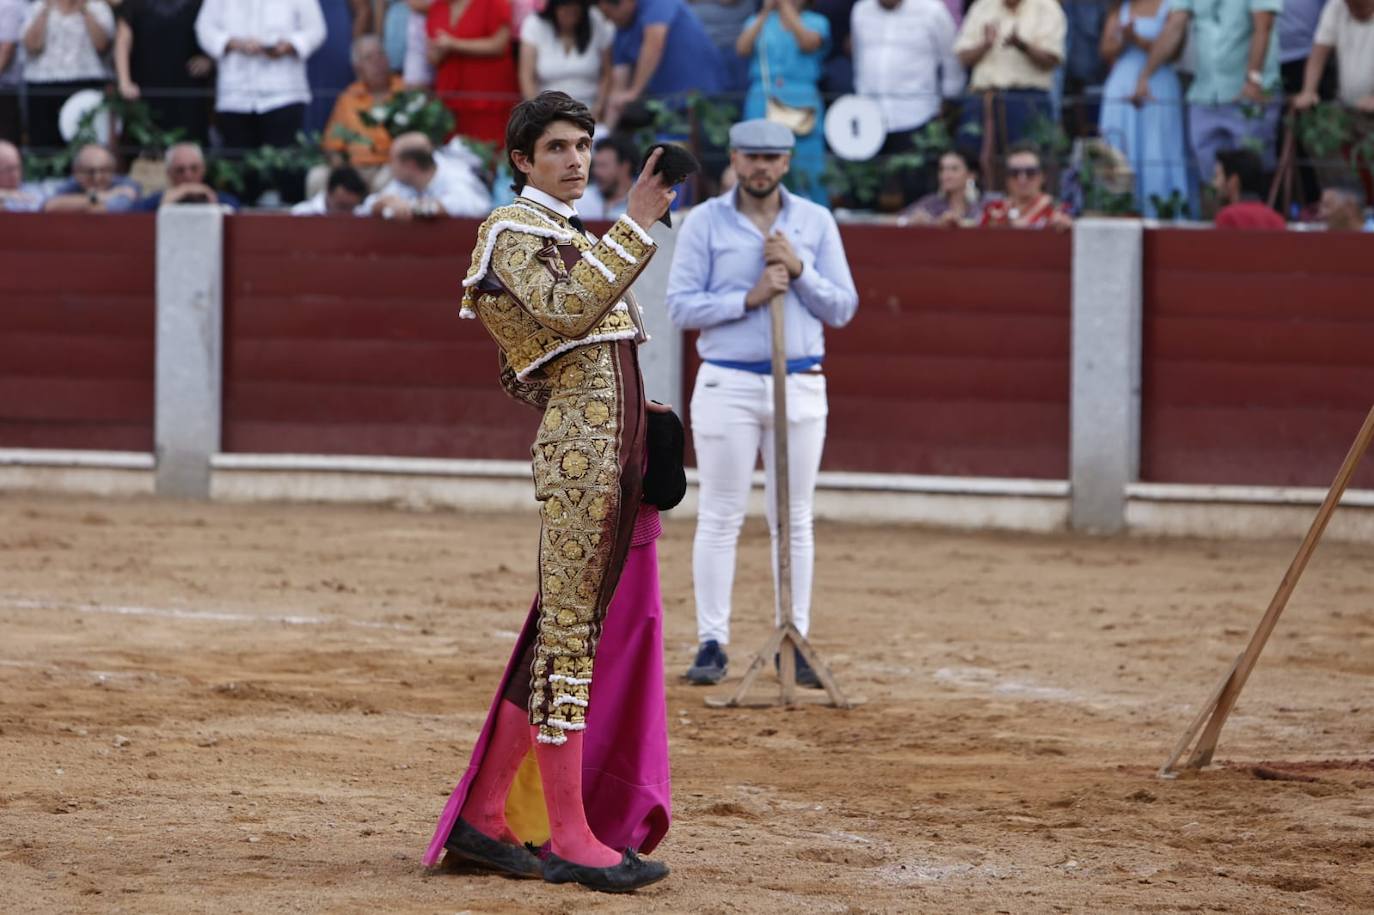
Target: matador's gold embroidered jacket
542 288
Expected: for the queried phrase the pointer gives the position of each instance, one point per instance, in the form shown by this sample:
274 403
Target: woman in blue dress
1151 136
786 47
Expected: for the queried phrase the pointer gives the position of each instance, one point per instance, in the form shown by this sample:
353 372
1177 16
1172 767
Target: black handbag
665 482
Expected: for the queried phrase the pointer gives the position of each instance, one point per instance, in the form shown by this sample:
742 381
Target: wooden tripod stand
786 635
1223 698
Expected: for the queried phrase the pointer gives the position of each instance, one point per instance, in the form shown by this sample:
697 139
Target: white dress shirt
258 83
904 58
455 188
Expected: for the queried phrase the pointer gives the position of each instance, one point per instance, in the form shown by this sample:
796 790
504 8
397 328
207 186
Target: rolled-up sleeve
211 31
825 286
691 304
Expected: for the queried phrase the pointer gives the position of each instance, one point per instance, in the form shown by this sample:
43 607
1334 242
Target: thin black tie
576 222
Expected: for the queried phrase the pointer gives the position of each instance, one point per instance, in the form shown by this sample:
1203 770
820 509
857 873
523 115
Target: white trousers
732 423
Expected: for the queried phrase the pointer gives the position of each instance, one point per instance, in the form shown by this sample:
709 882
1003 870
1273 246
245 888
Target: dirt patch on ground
262 709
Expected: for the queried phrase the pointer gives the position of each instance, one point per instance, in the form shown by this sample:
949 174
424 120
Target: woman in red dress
470 48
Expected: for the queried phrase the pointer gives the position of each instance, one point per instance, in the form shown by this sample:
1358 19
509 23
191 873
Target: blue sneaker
709 667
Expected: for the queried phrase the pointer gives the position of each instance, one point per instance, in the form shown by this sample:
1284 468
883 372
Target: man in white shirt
344 193
424 185
904 58
260 47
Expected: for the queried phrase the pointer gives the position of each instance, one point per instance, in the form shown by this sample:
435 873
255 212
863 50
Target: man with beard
735 253
615 162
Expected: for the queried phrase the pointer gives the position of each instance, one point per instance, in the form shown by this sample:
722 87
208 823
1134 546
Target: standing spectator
1297 25
904 58
156 48
1011 48
615 163
65 42
1150 136
343 194
11 68
417 70
470 49
15 195
723 20
1342 209
1078 80
660 49
838 76
425 185
567 47
735 254
395 28
95 186
1346 29
786 47
958 202
1232 99
330 68
261 47
368 153
1027 205
1238 179
186 182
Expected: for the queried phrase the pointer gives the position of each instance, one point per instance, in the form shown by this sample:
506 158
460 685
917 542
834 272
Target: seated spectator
344 193
95 186
958 202
474 69
65 42
424 185
660 49
15 195
11 67
1238 179
369 151
1026 205
1011 48
615 165
567 47
156 50
1342 209
186 181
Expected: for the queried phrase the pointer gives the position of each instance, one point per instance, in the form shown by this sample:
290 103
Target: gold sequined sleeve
570 301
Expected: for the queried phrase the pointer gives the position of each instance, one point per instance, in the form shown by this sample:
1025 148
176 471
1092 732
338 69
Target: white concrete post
190 311
1105 384
661 358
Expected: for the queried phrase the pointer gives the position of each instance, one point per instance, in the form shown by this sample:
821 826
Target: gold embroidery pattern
577 480
549 305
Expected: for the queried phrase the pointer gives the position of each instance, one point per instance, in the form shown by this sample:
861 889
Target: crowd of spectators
1192 94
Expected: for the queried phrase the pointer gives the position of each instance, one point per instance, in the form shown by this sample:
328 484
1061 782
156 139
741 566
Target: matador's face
561 163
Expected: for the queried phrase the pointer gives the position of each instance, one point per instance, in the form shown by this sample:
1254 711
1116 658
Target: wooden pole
1228 690
786 640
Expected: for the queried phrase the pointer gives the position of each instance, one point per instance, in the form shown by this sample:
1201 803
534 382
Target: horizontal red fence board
1258 356
77 316
345 339
957 362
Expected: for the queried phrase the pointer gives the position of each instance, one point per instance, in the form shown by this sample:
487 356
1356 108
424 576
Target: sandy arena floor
262 708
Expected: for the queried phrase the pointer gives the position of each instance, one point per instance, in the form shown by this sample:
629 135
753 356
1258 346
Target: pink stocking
560 769
485 807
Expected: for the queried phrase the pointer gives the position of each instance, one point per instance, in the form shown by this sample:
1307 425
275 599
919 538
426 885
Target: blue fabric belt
765 367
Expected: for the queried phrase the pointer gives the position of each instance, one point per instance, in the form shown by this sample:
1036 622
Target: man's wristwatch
1255 77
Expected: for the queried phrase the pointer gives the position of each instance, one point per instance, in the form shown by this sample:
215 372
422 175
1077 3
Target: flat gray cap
762 136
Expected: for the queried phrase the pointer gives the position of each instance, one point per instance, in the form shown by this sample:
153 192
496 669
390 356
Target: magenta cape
625 776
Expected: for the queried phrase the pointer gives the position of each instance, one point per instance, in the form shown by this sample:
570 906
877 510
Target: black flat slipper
629 875
468 843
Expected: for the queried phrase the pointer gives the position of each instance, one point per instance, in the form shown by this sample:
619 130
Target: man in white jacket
261 47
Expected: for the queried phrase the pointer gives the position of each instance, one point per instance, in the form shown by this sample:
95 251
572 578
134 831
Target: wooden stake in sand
1223 697
785 635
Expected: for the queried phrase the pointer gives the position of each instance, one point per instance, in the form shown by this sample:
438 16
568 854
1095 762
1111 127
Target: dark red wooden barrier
76 331
343 337
957 362
1258 356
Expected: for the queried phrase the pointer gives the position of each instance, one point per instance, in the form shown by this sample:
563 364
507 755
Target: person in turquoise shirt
787 46
1235 98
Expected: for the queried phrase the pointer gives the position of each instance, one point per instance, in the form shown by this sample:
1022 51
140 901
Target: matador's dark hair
533 116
